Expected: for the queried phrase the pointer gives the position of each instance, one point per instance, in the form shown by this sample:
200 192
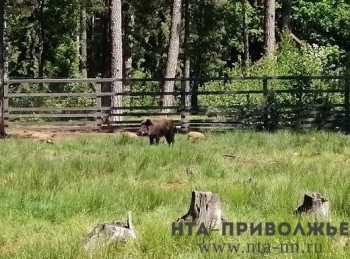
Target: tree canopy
44 36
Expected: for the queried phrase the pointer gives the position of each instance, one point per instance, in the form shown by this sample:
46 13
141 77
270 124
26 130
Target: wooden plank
228 92
159 93
148 107
309 105
133 122
87 115
202 79
60 128
30 95
147 114
222 128
218 125
311 119
52 109
58 123
59 115
293 91
217 122
296 38
59 80
212 128
91 108
311 112
306 119
212 120
310 125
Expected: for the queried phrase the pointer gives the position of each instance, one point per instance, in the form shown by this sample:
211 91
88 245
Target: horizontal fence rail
202 79
211 103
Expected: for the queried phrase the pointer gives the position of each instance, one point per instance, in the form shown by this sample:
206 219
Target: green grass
52 196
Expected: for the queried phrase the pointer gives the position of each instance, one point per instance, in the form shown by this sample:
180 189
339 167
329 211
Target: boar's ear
148 121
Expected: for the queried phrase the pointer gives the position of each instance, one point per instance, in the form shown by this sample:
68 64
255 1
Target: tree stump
205 208
314 205
106 233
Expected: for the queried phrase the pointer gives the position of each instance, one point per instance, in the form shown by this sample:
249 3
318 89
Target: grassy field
52 196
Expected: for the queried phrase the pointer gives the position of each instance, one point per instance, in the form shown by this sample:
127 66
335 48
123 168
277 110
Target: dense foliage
44 39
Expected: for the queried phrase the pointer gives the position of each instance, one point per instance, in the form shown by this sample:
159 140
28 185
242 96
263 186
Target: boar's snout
142 131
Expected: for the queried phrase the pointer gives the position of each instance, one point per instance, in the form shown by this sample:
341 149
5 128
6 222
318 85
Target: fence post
265 108
183 95
183 121
6 103
98 102
346 104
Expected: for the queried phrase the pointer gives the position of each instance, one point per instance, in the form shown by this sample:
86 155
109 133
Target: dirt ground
49 134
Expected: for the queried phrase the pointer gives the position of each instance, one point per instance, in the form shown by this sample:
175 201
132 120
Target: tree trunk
286 13
41 39
128 43
106 61
245 32
2 124
83 41
6 54
173 53
205 208
269 30
186 54
116 56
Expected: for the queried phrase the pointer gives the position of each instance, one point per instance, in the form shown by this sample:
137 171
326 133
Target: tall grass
54 195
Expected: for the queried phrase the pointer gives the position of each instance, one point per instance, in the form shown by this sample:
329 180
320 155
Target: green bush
289 60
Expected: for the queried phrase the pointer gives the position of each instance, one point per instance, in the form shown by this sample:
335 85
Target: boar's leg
151 140
157 140
169 139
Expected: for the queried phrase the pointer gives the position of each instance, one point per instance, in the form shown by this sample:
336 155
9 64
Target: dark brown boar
157 128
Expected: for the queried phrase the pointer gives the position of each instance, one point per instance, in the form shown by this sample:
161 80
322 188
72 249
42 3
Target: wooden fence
220 103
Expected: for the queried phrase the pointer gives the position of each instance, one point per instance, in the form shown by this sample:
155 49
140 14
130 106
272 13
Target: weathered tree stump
205 208
106 233
314 205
